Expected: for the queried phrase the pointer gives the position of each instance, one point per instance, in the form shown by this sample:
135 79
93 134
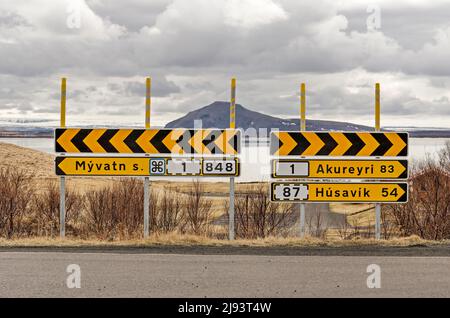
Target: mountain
216 115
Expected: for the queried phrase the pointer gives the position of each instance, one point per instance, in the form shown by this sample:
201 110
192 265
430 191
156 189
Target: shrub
197 214
116 210
257 217
15 200
427 213
46 210
166 210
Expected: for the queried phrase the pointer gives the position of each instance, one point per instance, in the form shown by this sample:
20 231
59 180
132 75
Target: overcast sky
191 49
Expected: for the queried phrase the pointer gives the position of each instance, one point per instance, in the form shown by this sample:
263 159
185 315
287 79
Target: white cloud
252 13
193 47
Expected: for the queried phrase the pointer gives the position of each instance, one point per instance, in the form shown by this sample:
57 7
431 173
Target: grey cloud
410 26
16 105
194 47
11 20
115 87
311 40
72 94
46 110
160 88
133 14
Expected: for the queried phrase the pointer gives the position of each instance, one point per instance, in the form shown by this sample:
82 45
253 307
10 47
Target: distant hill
216 115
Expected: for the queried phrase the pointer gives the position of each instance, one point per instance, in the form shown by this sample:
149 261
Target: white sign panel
183 167
219 167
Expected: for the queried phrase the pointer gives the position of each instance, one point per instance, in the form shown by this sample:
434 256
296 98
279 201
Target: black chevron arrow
385 144
404 174
58 133
234 141
404 197
209 141
275 144
404 137
357 144
105 139
131 139
183 141
302 143
78 140
329 142
58 170
157 139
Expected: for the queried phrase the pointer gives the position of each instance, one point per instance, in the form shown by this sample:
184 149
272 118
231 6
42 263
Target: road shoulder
442 250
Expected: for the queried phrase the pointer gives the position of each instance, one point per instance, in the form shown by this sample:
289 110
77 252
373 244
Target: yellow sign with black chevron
150 141
360 144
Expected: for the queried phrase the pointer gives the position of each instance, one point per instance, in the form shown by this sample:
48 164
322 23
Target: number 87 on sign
292 192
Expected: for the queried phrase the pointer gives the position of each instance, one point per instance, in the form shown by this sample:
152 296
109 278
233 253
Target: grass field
191 240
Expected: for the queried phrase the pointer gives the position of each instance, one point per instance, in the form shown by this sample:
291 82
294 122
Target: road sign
361 144
340 169
151 141
101 166
146 166
339 192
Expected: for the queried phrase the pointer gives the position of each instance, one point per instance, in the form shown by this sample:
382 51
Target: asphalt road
110 274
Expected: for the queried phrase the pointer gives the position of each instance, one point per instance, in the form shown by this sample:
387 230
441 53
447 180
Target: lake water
255 160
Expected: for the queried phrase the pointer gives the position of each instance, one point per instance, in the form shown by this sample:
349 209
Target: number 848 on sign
197 167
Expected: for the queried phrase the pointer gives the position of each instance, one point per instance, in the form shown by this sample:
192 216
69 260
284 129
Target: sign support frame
62 180
302 206
377 128
147 184
231 230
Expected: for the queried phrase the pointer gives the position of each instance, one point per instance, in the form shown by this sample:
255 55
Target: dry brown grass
176 239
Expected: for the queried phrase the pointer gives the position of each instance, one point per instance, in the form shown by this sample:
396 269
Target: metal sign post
302 128
62 186
377 128
146 179
232 126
